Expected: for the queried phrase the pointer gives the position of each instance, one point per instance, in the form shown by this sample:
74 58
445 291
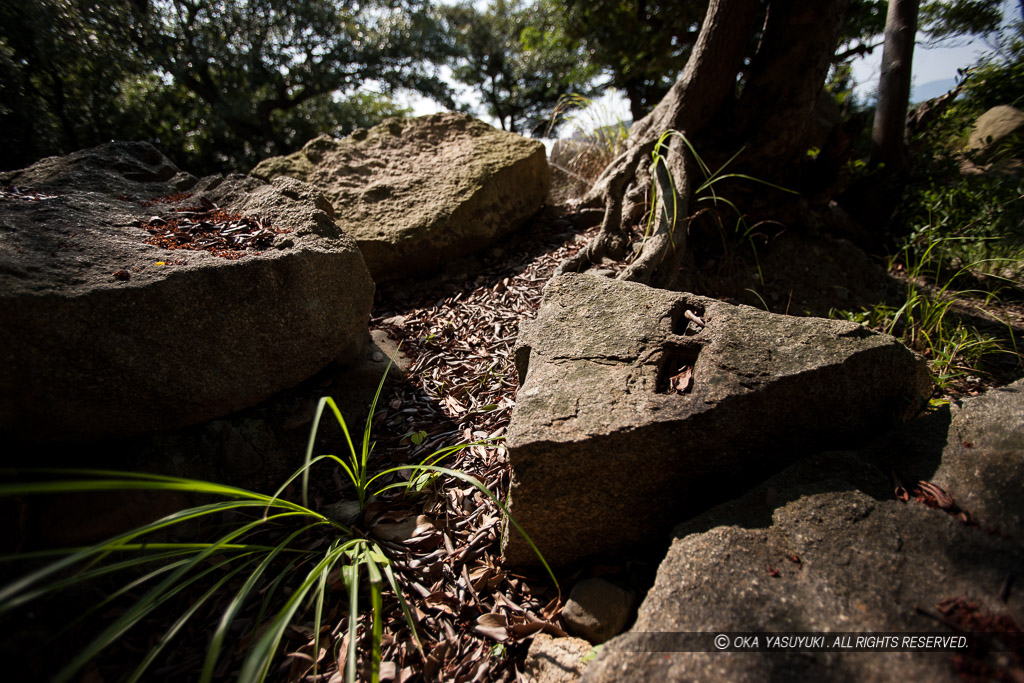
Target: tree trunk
785 79
636 99
888 141
797 38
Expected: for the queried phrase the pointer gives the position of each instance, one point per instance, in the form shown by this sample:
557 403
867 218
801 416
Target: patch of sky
935 72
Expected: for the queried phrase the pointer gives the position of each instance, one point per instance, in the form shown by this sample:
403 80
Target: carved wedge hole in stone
687 320
522 362
675 372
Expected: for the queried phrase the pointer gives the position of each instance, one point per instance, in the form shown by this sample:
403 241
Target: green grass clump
973 221
927 321
280 556
741 235
598 137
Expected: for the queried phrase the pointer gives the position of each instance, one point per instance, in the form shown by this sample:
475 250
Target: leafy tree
781 52
62 63
642 44
518 59
261 67
188 129
216 84
887 136
705 112
938 22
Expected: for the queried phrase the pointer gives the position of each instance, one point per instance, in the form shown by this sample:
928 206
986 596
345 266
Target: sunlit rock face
108 331
418 193
639 406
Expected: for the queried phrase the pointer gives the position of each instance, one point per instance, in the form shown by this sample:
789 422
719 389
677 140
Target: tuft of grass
926 321
663 185
277 557
976 220
597 138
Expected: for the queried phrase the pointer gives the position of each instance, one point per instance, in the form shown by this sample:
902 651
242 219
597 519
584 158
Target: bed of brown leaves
209 228
473 616
996 646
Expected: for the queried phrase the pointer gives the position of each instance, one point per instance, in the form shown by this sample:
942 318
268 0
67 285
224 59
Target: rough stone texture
85 355
113 168
993 127
866 563
597 610
974 451
983 463
256 449
605 455
416 193
555 660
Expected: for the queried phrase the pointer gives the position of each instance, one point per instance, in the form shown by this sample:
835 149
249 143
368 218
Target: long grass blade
257 663
351 574
326 401
231 612
130 618
377 613
406 610
9 594
169 635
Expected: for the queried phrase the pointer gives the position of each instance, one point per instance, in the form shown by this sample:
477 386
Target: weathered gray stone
556 660
993 128
822 547
103 335
416 193
111 169
256 449
597 609
974 452
607 454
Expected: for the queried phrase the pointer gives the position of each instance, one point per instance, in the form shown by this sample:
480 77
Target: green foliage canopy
518 60
939 22
642 45
273 73
217 84
61 65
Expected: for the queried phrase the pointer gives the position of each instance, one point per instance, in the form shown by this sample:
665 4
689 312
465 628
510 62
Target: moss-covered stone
416 193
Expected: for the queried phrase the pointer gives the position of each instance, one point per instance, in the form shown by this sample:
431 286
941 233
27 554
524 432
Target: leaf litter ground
474 617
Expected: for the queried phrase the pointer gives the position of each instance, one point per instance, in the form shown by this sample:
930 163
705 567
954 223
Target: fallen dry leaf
492 625
404 530
683 381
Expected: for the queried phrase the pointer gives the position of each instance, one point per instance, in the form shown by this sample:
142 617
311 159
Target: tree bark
785 77
636 99
888 141
708 80
784 83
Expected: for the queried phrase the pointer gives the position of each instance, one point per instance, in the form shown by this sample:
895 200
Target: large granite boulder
104 332
826 546
996 128
417 193
978 457
638 406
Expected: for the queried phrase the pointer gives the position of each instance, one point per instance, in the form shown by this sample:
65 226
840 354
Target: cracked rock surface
638 407
825 547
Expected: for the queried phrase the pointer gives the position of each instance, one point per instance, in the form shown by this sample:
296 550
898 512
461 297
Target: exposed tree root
795 40
707 82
